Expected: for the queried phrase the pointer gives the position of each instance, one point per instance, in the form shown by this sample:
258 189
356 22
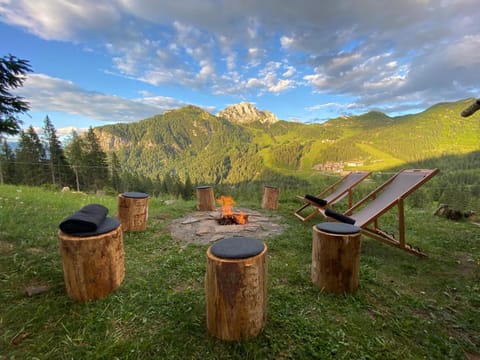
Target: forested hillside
192 142
184 142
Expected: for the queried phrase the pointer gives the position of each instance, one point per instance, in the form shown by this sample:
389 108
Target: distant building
354 164
330 166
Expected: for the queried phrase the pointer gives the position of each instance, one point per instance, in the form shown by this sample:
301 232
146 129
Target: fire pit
206 227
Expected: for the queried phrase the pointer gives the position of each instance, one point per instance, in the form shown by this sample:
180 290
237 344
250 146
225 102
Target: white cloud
323 106
207 72
344 61
59 19
317 80
384 83
280 85
45 93
254 83
66 131
269 81
392 64
286 41
289 72
427 50
255 56
252 28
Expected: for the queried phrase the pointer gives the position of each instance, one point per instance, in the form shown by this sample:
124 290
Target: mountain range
242 143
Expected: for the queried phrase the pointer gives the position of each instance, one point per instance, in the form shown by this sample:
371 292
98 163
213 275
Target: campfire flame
227 202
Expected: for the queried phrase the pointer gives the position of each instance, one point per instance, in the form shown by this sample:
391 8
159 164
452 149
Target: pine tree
75 154
95 159
12 71
115 171
188 189
168 184
88 160
7 163
30 157
59 167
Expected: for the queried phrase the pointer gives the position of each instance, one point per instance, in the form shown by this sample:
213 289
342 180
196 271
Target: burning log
228 217
233 219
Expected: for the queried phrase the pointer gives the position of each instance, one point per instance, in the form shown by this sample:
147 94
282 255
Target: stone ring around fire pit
206 227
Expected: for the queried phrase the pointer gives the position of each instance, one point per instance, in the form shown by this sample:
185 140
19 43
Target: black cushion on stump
135 195
90 220
87 219
108 224
237 247
203 187
338 228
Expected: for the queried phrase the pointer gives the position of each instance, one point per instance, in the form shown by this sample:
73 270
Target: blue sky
101 62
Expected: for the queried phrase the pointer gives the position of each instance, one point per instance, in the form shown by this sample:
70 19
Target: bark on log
205 198
93 266
270 198
133 212
335 261
236 296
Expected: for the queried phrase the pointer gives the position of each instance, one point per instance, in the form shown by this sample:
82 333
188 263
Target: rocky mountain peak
245 113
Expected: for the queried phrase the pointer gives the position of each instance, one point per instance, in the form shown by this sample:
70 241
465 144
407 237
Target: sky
98 62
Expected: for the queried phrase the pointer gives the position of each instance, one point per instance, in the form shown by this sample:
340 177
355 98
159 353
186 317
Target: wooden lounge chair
367 211
331 195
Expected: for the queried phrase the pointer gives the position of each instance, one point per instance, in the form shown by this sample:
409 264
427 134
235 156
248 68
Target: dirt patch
5 247
36 287
468 266
202 227
36 251
470 356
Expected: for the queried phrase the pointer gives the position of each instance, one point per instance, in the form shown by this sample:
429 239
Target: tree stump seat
133 210
336 257
205 198
93 265
270 197
236 288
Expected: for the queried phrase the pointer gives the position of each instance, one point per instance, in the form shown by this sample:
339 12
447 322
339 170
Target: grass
406 307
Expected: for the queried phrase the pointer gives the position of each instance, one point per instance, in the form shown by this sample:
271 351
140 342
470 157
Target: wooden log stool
93 265
205 198
336 257
133 211
270 197
236 288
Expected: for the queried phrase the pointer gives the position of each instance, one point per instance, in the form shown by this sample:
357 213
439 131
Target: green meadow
406 307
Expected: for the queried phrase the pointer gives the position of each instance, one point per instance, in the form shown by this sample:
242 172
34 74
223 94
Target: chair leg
401 223
309 216
390 240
